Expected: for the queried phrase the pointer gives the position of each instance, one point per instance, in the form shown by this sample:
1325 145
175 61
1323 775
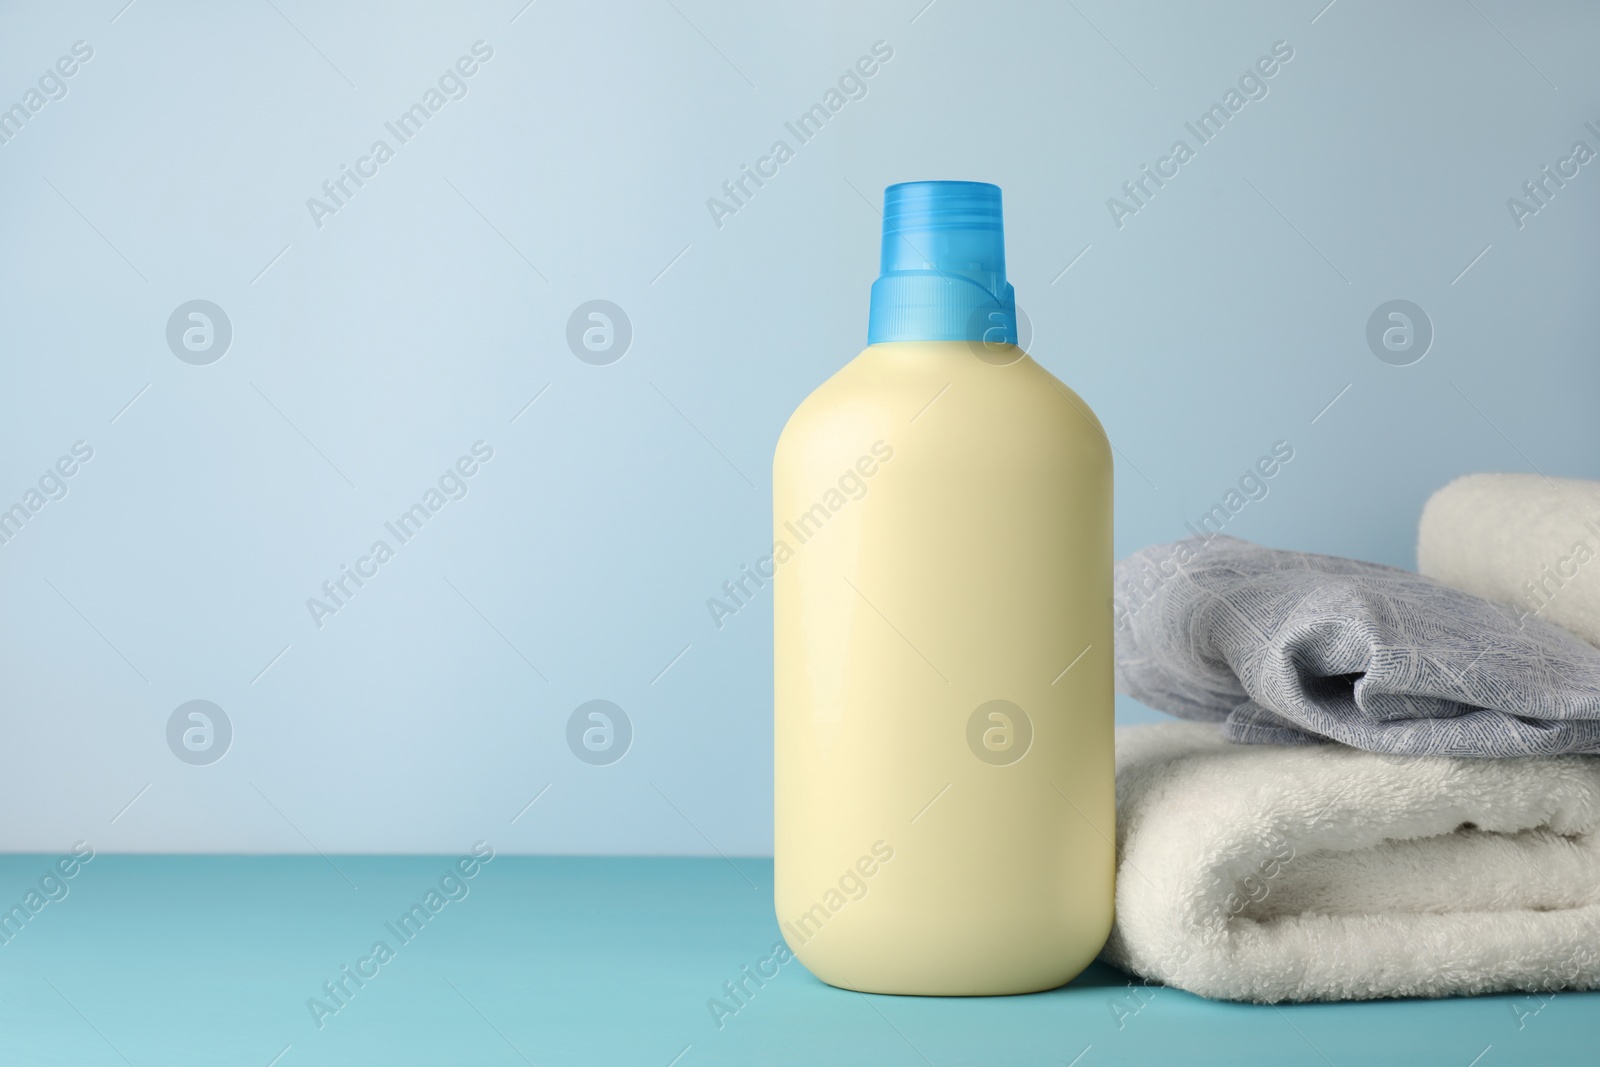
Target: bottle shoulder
943 388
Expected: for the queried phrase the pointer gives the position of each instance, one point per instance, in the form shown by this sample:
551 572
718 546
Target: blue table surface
176 960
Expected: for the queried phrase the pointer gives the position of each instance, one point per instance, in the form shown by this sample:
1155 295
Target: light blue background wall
369 353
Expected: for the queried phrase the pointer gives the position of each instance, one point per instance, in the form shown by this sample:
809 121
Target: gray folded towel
1293 648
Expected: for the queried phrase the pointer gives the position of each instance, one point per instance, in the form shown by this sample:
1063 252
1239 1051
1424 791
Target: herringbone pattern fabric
1293 648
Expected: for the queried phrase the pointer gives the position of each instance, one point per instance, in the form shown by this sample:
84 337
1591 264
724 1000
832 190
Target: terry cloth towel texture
1270 873
1522 539
1292 648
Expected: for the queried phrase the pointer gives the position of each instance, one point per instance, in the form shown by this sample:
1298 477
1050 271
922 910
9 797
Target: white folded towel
1270 873
1522 539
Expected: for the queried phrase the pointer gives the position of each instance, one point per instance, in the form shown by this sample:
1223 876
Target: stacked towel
1264 873
1292 648
1522 539
1283 870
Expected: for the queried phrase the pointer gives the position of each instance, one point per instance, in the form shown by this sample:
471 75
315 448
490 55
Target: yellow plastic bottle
942 524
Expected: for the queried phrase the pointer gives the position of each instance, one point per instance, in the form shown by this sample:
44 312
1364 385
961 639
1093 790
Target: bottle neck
932 305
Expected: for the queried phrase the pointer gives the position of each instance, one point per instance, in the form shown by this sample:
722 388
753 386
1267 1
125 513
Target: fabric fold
1520 539
1271 873
1293 648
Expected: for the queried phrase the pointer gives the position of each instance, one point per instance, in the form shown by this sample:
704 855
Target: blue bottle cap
943 275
